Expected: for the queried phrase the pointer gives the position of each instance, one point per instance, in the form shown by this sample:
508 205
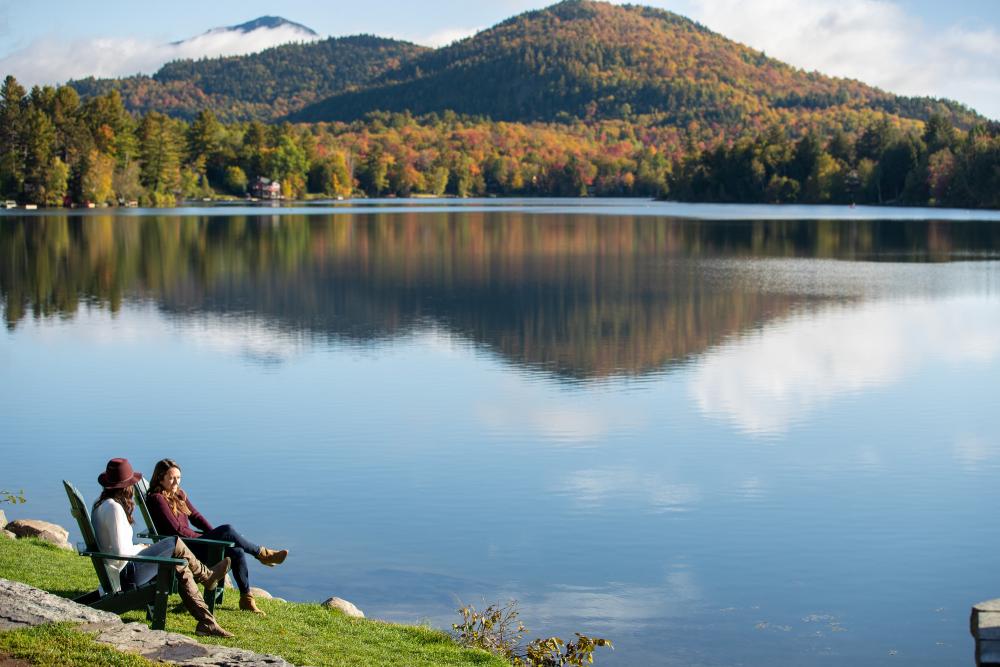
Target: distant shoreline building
265 188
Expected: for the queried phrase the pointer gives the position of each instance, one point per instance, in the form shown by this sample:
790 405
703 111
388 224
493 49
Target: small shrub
496 629
499 630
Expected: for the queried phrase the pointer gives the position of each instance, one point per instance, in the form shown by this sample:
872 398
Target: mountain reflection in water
580 297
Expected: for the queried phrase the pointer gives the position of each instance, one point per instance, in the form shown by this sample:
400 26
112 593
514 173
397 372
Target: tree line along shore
59 150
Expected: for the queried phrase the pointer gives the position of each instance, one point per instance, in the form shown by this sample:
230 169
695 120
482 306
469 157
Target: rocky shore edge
24 606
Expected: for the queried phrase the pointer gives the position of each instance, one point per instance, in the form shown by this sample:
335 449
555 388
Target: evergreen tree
159 153
12 135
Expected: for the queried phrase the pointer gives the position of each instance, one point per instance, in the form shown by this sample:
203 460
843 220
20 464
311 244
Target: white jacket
114 536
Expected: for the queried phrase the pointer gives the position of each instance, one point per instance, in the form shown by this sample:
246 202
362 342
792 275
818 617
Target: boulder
9 535
24 606
344 606
43 530
261 594
3 519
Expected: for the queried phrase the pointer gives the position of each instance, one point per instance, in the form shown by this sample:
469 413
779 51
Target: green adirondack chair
216 549
151 596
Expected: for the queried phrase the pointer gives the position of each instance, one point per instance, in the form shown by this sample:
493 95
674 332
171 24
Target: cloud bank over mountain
54 61
880 42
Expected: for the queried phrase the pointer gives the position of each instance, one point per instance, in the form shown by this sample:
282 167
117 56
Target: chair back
78 508
140 491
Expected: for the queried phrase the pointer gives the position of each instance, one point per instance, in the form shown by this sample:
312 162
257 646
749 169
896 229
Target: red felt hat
118 475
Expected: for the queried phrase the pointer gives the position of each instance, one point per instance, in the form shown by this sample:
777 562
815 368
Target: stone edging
25 606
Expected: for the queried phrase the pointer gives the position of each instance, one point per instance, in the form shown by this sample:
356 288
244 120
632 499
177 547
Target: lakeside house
265 188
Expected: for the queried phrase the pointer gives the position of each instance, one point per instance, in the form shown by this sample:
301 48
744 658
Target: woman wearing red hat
173 514
112 519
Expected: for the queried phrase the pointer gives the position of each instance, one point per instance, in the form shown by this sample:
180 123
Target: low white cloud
53 60
765 381
880 42
446 36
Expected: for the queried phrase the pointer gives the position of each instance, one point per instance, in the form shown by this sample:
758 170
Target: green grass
300 633
58 645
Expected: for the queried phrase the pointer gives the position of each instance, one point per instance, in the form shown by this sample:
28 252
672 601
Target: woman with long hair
112 519
173 514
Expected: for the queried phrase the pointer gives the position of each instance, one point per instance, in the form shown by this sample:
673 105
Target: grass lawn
300 633
58 645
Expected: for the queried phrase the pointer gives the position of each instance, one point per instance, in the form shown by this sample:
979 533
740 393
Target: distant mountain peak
270 23
261 23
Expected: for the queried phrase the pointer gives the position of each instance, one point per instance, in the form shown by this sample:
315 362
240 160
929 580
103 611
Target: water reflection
713 442
580 297
767 381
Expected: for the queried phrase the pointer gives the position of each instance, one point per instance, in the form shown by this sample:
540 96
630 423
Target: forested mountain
583 98
585 59
261 86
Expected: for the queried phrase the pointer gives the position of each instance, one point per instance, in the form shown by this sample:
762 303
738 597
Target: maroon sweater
168 523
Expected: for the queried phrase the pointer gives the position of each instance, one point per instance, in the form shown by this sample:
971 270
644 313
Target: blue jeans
237 554
136 574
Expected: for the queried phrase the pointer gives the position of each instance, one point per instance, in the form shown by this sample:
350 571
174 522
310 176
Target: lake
716 435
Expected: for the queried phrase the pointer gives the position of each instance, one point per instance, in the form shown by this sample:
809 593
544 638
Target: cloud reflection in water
766 381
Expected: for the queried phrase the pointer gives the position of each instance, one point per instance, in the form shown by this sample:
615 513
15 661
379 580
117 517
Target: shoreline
636 206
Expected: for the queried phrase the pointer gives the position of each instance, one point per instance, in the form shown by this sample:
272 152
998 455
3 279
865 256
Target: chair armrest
136 559
147 535
189 540
207 542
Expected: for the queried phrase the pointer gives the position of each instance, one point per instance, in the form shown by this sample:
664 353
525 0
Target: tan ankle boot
247 603
195 604
270 557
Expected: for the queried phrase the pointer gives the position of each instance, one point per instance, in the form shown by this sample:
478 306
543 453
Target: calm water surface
760 438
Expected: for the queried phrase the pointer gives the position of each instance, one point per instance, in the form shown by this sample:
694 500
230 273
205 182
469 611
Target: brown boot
247 603
217 574
211 629
270 557
195 604
210 577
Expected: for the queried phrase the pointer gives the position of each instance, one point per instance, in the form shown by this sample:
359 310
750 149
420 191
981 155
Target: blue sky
907 46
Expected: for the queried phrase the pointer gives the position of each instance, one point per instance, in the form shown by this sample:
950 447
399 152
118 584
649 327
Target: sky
911 47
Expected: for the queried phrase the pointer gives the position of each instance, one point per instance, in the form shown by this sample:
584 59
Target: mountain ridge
269 23
574 60
259 23
587 59
261 86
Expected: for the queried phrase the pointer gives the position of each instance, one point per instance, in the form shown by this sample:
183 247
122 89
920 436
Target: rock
158 645
229 582
43 530
3 519
261 594
9 535
344 606
22 606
